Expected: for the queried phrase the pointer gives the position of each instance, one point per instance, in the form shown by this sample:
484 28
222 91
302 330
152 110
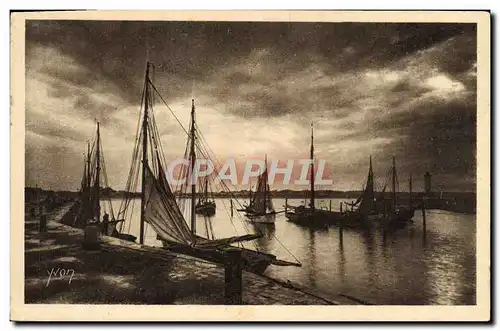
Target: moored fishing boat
206 205
369 212
310 215
261 209
90 197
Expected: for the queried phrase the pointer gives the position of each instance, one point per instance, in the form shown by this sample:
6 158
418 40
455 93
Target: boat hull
206 209
269 218
252 261
401 218
127 237
313 218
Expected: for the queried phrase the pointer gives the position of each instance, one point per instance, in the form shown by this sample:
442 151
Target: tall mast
411 193
370 171
98 175
144 154
89 174
193 182
250 192
206 188
264 179
394 182
84 178
312 167
370 185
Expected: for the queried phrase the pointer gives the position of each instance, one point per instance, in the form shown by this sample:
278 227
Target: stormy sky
403 90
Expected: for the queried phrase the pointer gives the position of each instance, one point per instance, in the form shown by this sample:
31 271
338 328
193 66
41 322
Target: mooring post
330 205
341 234
341 207
231 207
233 277
424 220
286 205
43 223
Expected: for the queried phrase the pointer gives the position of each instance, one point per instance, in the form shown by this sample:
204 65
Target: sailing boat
205 205
164 213
371 212
366 206
310 215
396 215
90 199
246 207
261 209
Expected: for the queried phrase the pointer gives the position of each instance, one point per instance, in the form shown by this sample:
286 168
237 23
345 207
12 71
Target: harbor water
405 267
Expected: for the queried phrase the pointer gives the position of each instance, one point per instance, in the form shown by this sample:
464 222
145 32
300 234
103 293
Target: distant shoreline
463 202
110 193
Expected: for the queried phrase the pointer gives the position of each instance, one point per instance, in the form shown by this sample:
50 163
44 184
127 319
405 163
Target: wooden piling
341 235
231 200
424 220
286 205
43 223
341 207
330 205
233 277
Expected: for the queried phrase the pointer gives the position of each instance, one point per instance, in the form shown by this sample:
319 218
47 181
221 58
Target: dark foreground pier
59 270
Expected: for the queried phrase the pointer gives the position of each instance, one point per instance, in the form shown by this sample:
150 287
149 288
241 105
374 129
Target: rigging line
173 114
224 186
283 245
183 171
206 227
160 147
230 218
171 111
106 182
131 190
212 156
130 195
138 134
130 219
243 222
131 184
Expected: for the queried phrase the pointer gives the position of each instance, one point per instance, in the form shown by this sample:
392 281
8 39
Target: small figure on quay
105 222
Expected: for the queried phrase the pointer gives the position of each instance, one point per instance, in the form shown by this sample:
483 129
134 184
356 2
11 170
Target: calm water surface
403 267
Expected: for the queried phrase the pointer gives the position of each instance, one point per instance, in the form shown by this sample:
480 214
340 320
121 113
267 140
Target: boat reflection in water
400 267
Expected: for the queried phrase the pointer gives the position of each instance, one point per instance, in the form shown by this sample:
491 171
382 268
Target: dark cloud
91 108
50 130
439 137
365 81
195 50
238 78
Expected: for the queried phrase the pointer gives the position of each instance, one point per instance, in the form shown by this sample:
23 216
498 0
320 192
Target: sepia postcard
250 166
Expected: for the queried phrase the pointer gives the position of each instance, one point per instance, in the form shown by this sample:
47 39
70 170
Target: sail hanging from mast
367 199
162 212
87 210
90 199
261 202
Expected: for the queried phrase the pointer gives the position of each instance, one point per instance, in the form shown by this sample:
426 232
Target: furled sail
262 202
87 201
162 212
367 200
